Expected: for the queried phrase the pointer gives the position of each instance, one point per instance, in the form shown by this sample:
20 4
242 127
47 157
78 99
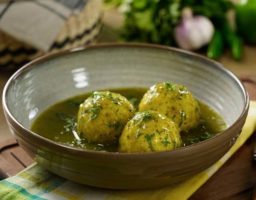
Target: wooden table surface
235 180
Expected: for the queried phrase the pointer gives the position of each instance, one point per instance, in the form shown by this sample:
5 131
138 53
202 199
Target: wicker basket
80 29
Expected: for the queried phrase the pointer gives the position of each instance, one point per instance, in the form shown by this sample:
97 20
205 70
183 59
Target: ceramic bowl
53 78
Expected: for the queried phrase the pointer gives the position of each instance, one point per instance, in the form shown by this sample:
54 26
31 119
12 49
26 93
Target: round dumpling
149 131
102 116
174 101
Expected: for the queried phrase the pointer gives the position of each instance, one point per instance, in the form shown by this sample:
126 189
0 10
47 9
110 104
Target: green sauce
58 122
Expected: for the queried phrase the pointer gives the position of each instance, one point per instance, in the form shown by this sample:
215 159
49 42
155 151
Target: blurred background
29 29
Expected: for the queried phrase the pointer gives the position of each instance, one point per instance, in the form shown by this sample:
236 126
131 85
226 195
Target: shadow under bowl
53 78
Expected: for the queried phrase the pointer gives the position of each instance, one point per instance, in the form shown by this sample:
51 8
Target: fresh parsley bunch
153 21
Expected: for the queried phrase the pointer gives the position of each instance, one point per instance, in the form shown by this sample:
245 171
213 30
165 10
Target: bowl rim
74 150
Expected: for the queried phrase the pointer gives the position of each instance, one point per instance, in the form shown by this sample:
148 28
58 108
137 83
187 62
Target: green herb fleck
183 90
115 100
70 122
96 95
149 140
165 141
195 137
94 111
116 125
170 86
147 116
205 135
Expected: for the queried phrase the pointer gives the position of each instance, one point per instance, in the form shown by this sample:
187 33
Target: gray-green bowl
53 78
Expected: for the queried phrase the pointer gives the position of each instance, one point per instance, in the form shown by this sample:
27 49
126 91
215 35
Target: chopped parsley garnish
115 100
95 96
148 138
165 141
94 111
106 94
70 122
147 116
205 135
116 125
195 137
170 86
142 117
183 90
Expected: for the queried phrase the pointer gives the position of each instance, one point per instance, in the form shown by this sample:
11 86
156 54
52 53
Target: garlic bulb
194 31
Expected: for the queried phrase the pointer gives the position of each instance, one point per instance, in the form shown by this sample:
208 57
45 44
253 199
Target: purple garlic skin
193 32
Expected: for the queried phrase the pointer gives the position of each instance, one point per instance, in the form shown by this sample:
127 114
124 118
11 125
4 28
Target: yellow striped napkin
37 183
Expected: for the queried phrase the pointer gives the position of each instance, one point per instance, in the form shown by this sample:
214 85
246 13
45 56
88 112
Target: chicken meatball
174 101
102 116
149 131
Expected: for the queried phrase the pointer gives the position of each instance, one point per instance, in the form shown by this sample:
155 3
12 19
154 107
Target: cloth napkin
37 183
37 22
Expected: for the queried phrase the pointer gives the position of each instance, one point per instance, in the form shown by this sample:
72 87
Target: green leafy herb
165 141
94 111
170 86
195 137
183 90
142 117
147 116
153 21
205 135
115 100
148 138
97 95
70 122
116 125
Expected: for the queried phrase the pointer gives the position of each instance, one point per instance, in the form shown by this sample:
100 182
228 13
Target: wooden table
235 180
